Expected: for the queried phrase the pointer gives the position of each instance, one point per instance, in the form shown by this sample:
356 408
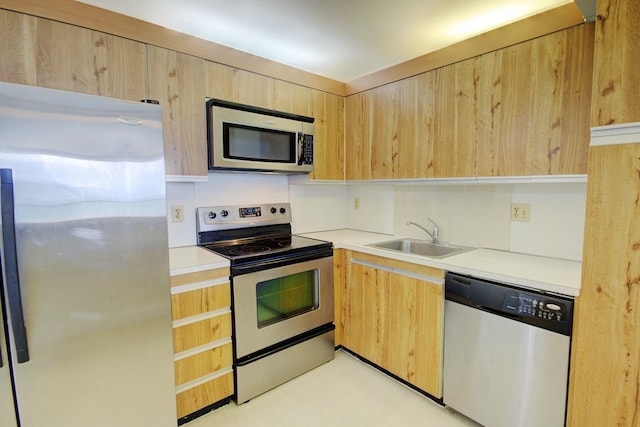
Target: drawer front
199 301
193 399
200 276
204 363
201 332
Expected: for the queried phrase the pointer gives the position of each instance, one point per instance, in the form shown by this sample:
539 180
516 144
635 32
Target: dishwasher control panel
538 308
535 305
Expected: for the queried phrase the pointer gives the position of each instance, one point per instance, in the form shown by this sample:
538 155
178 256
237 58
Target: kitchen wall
468 214
477 214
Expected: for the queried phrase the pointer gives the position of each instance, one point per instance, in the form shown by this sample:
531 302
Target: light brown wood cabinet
201 311
617 54
534 101
358 136
447 119
46 53
391 313
18 48
395 152
518 111
177 81
232 84
328 111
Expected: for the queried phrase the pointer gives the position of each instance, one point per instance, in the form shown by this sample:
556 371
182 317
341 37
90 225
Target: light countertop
191 259
536 272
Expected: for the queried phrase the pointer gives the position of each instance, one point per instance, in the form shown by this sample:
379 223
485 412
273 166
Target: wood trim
544 23
95 18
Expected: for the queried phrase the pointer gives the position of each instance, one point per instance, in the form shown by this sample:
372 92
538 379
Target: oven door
273 305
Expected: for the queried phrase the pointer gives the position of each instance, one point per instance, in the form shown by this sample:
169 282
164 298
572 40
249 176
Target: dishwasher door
501 371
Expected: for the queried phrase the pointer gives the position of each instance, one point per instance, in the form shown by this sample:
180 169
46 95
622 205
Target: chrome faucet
436 231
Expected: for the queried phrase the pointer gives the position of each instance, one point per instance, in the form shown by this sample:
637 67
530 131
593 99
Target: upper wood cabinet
18 48
232 84
447 119
395 152
358 136
534 102
80 60
617 54
328 145
177 81
50 54
421 127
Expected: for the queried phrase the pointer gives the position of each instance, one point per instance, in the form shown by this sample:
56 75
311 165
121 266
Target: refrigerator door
92 256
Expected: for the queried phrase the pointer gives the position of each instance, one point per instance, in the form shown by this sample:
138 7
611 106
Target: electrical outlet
356 203
177 213
520 212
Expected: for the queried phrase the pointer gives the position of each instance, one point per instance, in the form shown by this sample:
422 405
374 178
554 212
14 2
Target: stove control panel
216 218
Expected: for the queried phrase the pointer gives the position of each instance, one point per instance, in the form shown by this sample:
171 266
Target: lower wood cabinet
201 311
391 313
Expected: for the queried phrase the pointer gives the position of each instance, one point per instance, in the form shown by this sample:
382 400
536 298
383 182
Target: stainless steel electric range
282 293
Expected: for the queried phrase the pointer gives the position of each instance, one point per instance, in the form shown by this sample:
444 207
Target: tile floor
344 392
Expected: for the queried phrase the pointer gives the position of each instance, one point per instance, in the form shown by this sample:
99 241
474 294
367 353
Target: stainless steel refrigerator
86 318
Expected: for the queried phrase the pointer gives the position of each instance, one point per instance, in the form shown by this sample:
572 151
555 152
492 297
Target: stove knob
273 210
212 215
282 210
224 213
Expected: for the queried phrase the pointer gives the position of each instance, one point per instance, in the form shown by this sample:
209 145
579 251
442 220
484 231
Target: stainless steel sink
421 247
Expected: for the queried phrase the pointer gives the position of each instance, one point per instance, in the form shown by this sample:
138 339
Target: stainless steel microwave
251 139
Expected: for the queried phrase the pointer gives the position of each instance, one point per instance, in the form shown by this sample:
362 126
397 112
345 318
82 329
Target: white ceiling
339 39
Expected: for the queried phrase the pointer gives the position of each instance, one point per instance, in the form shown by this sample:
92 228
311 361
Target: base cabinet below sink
391 313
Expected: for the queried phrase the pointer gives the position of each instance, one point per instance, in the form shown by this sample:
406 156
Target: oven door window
286 297
251 143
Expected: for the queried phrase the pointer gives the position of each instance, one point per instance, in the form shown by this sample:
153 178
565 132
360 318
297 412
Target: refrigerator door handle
11 265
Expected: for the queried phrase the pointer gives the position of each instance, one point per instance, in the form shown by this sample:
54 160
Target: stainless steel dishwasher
506 353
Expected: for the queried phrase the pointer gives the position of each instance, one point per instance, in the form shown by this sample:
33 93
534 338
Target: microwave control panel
306 150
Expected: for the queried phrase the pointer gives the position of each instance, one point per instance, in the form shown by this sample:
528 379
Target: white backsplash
475 214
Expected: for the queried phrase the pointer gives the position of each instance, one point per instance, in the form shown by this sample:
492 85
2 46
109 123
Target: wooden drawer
199 301
201 332
203 363
200 276
193 399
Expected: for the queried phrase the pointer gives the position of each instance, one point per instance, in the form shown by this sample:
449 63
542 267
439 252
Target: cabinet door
617 54
177 81
395 151
80 60
506 110
358 136
415 327
328 146
393 317
447 119
231 84
534 102
18 48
